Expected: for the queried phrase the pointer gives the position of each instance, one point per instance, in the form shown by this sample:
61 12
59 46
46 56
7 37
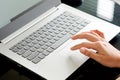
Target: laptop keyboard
42 42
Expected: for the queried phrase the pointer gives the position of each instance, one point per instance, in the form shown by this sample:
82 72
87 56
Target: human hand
98 49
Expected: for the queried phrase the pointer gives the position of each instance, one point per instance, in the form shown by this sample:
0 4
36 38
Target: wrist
118 62
118 66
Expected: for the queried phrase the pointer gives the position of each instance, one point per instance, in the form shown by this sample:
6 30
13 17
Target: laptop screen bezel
27 17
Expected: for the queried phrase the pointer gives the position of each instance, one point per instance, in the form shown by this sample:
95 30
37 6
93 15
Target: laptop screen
14 14
10 9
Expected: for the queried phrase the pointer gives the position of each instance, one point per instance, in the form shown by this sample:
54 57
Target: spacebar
61 41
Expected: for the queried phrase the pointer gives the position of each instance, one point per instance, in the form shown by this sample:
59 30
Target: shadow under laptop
92 70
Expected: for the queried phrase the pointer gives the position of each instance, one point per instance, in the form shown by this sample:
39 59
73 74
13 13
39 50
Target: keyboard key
41 43
37 46
40 50
61 41
72 32
46 53
26 47
41 56
21 51
33 49
33 55
36 60
52 41
35 42
44 47
23 43
50 49
48 44
27 53
15 49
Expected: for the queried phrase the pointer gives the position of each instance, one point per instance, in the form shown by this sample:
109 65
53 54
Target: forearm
118 63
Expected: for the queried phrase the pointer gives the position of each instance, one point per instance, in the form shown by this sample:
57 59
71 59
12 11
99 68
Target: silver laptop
43 44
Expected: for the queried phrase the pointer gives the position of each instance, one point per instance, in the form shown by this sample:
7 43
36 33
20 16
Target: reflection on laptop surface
43 44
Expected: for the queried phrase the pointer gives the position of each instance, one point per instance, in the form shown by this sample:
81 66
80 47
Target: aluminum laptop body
59 64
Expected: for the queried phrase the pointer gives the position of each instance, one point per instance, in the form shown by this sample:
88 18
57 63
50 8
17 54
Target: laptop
40 39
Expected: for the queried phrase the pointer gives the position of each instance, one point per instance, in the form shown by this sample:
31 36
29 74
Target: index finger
91 45
86 35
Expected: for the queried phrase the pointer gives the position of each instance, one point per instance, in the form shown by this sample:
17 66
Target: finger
101 34
94 33
78 36
90 54
86 35
98 37
84 44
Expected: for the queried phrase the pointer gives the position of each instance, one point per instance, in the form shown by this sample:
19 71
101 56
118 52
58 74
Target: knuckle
99 43
87 53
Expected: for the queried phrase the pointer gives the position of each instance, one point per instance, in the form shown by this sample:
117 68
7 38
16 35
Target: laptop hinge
29 25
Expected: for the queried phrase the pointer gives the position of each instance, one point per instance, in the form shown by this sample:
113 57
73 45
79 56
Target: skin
98 48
